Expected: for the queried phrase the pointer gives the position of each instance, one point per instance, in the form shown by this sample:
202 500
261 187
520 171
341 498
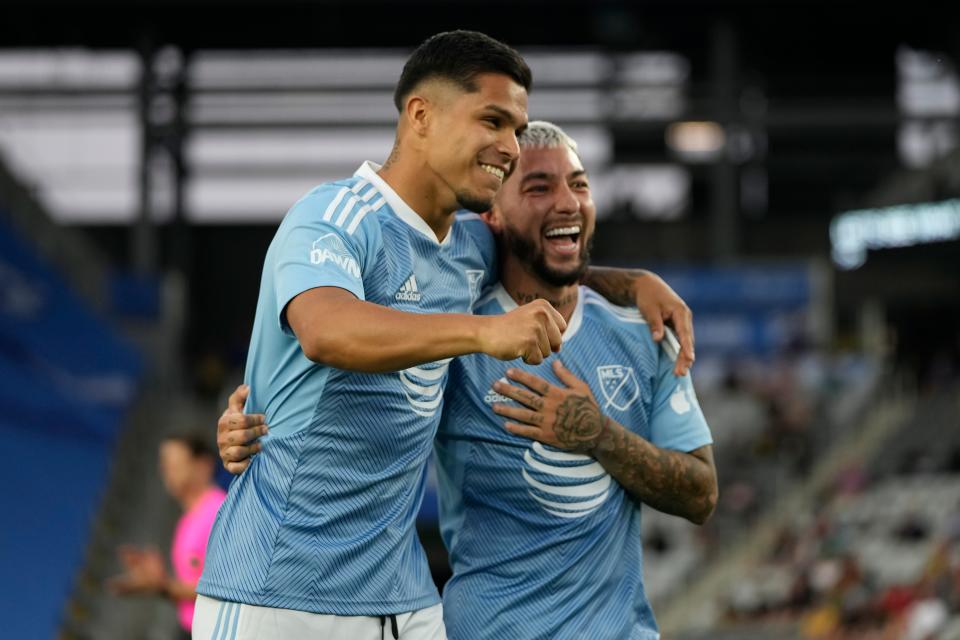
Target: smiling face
471 141
546 216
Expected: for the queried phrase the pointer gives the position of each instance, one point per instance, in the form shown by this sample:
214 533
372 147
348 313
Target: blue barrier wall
66 381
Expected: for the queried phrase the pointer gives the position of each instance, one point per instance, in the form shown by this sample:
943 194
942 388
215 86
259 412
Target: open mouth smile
494 170
564 240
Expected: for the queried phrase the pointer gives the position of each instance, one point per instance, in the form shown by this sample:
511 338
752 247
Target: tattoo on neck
524 298
579 423
392 157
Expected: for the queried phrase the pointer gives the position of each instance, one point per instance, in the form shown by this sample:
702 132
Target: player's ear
494 219
417 113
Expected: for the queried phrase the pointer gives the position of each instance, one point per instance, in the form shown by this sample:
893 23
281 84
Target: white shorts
217 620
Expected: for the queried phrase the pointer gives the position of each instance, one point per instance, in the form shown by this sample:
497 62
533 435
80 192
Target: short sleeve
312 252
677 421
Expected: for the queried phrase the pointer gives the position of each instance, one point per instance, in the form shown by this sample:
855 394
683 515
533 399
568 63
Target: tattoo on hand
579 423
533 401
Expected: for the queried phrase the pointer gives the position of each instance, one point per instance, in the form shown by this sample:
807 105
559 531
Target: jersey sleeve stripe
347 210
355 189
328 214
364 210
355 200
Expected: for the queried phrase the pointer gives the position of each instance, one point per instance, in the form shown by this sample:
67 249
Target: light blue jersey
323 519
544 543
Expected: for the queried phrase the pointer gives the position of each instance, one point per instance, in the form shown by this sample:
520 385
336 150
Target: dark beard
473 203
527 253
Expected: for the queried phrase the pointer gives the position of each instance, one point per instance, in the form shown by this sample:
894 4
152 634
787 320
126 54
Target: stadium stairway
693 613
135 510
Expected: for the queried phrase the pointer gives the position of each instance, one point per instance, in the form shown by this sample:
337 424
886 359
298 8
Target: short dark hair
459 56
199 445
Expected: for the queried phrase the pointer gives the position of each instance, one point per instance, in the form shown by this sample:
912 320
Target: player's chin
476 200
563 275
565 265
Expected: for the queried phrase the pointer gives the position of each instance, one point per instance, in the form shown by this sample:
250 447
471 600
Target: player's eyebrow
507 115
543 175
537 175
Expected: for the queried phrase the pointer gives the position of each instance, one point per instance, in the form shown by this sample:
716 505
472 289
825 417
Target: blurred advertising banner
754 309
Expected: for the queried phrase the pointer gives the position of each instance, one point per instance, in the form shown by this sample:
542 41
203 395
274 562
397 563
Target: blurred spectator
187 464
736 408
834 592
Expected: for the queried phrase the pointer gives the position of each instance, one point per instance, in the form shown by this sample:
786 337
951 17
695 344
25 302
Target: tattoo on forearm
670 481
616 285
578 423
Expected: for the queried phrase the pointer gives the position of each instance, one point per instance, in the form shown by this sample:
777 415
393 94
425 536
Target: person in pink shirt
187 467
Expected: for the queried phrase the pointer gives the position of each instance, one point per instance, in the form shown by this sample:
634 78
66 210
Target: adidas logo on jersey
492 397
409 292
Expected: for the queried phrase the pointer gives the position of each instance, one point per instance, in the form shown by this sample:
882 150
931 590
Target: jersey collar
508 304
368 171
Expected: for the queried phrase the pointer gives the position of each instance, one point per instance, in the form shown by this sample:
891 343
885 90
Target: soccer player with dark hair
365 299
543 469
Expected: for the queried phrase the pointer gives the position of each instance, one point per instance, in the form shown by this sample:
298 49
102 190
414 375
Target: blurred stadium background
791 168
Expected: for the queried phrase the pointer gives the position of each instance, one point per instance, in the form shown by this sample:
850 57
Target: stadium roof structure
826 69
819 86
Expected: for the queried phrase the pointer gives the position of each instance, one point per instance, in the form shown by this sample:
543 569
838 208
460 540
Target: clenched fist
532 332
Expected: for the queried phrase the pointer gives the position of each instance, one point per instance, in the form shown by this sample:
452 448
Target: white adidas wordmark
409 292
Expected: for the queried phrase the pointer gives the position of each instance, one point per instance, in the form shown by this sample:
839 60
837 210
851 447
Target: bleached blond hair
541 134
